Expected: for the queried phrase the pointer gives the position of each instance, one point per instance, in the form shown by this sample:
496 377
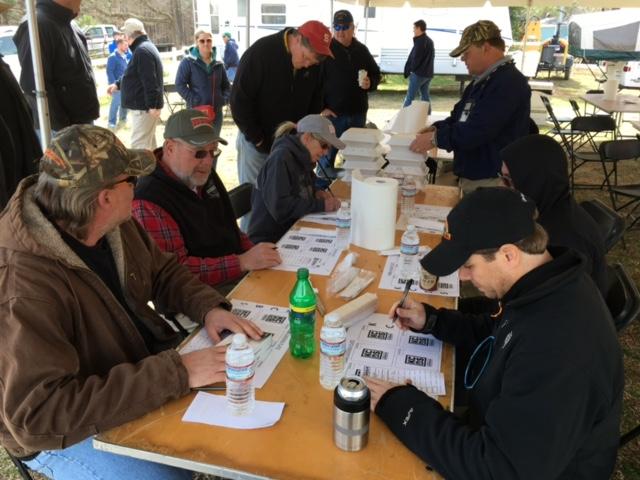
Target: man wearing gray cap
184 206
141 85
492 113
286 186
545 378
85 352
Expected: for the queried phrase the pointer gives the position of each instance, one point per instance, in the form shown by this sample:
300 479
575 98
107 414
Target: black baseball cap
486 218
342 17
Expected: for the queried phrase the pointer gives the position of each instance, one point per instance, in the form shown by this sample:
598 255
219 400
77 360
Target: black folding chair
23 470
170 88
559 128
583 132
240 197
610 223
615 151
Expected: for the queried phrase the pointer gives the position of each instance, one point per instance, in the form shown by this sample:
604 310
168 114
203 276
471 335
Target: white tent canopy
495 3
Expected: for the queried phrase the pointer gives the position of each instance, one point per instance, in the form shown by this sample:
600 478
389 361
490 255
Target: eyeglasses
205 40
323 145
341 28
506 179
478 362
200 154
131 180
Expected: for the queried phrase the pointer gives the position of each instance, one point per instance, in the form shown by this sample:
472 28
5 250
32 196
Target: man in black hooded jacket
545 378
537 166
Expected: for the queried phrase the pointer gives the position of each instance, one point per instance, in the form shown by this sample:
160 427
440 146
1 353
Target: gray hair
72 208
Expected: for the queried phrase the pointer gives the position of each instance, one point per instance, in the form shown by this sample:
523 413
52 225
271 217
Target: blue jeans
418 84
250 162
341 123
82 462
113 110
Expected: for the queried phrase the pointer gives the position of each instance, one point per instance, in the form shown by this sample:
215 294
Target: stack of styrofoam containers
401 159
363 149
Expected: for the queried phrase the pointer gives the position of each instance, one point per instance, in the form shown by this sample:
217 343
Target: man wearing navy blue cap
545 378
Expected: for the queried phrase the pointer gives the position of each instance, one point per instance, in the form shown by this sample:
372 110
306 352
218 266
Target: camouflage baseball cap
480 31
86 155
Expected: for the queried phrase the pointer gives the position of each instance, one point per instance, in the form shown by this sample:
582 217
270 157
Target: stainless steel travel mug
351 403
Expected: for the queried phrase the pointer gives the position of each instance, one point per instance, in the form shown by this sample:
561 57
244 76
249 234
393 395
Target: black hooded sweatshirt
547 403
538 168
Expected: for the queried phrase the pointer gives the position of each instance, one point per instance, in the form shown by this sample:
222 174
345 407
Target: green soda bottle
302 316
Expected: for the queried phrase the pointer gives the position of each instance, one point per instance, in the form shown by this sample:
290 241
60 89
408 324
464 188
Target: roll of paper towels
373 211
610 89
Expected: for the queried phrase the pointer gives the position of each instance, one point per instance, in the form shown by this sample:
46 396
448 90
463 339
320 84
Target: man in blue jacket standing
230 57
492 113
419 66
116 65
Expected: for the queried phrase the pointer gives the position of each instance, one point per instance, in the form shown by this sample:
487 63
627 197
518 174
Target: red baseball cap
318 35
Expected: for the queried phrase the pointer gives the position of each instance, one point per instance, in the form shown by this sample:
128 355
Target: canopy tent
612 35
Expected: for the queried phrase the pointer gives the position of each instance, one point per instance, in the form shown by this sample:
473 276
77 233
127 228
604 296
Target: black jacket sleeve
244 95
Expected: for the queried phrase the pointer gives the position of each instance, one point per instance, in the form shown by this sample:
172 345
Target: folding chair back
557 128
610 223
616 150
593 124
240 197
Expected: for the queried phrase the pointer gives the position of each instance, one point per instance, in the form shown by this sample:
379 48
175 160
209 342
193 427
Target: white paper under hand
212 410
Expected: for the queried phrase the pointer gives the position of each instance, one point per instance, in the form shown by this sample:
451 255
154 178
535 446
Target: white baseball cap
131 26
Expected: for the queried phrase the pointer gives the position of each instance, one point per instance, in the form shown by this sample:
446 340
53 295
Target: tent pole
524 43
366 20
248 23
40 92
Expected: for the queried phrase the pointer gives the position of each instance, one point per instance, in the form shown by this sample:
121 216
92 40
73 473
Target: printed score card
312 248
379 348
273 320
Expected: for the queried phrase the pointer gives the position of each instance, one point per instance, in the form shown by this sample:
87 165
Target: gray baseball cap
192 126
321 127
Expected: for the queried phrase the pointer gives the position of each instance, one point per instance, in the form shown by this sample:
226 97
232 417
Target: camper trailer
387 32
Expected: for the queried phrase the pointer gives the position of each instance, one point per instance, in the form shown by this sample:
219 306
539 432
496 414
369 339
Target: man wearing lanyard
492 113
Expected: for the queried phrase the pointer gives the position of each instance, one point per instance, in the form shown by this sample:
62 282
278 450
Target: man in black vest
184 206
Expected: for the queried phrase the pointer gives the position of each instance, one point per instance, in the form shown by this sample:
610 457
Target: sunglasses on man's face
131 180
341 28
200 154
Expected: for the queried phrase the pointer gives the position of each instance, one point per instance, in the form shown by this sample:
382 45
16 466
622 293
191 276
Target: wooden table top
620 104
300 445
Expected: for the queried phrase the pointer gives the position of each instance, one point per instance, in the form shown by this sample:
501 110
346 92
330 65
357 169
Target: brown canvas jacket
72 363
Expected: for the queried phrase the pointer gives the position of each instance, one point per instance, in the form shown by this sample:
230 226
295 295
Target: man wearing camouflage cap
545 378
492 113
85 353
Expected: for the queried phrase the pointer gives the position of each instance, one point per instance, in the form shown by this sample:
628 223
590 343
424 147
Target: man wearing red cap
278 80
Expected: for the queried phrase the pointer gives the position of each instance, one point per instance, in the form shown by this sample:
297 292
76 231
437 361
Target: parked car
99 37
8 49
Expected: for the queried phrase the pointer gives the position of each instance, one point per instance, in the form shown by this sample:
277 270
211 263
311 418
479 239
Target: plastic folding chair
616 151
240 197
610 223
583 132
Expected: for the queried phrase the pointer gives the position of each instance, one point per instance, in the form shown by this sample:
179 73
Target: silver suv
99 37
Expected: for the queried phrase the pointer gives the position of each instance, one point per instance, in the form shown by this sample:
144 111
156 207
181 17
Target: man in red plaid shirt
184 206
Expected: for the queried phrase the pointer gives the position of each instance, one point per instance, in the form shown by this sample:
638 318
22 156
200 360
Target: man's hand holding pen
408 314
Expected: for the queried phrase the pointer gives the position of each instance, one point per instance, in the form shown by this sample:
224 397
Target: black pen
407 287
327 177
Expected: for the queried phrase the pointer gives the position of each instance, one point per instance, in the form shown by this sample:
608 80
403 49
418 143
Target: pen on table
212 388
407 287
326 176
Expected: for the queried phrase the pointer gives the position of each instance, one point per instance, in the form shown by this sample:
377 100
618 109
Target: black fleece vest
207 224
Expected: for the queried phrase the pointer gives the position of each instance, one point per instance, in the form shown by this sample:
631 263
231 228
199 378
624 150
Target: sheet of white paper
311 248
380 349
212 410
426 218
324 218
271 319
448 286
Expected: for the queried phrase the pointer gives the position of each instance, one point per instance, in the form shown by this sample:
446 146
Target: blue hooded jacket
195 81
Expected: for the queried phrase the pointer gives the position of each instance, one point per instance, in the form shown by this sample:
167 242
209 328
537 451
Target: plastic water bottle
343 226
240 362
409 191
302 316
333 344
409 246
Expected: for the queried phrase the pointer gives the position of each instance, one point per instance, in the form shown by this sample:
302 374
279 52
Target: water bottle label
409 249
239 373
409 192
333 349
343 223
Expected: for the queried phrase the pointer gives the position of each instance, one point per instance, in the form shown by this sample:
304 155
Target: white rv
387 31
